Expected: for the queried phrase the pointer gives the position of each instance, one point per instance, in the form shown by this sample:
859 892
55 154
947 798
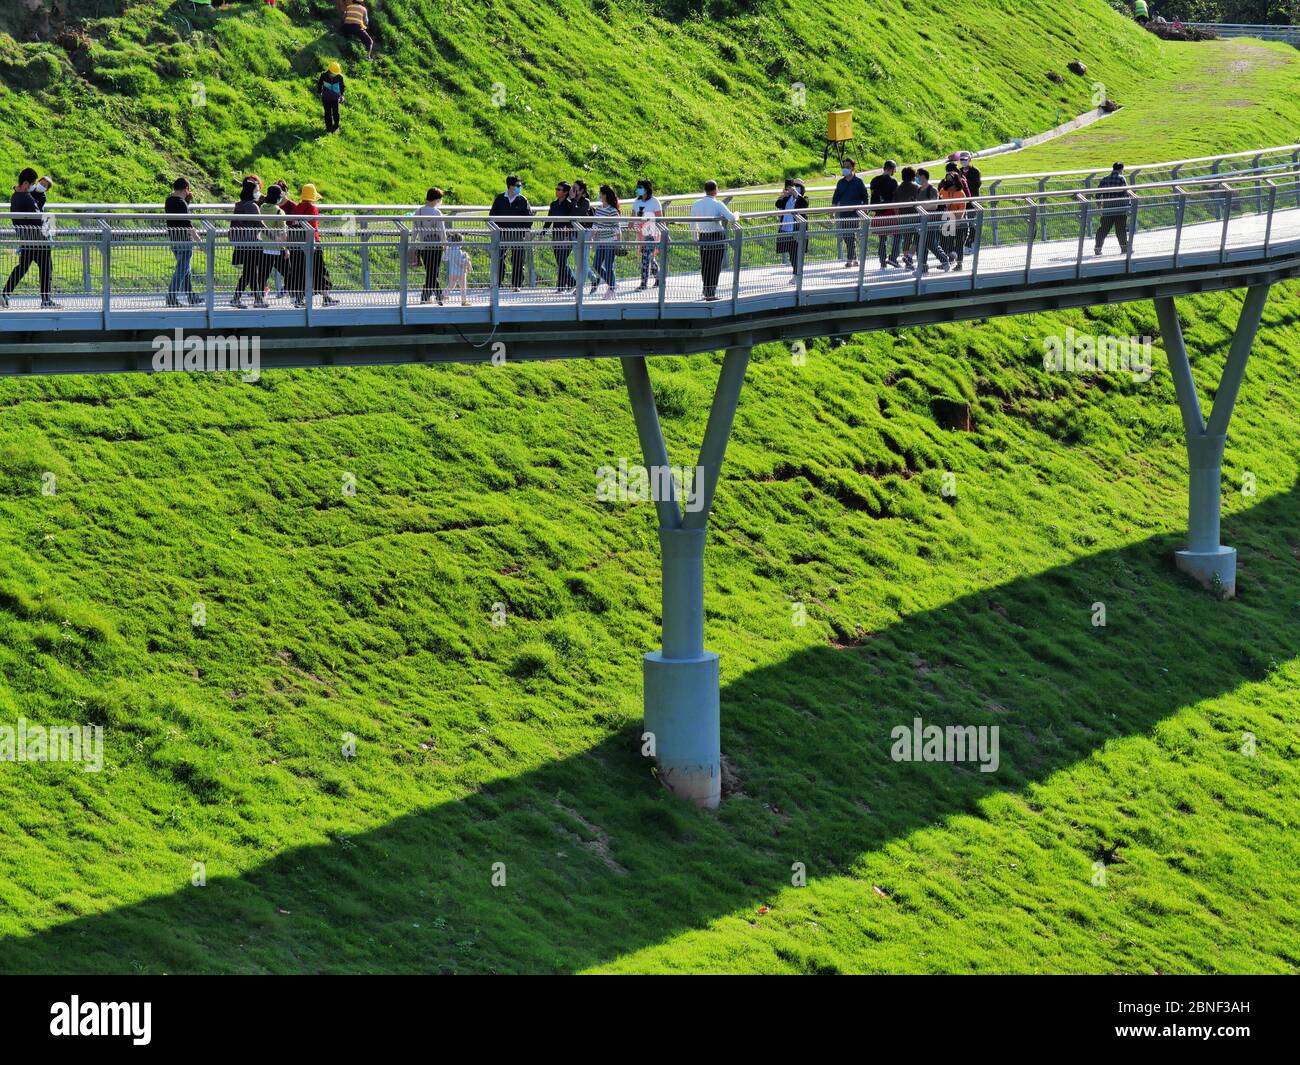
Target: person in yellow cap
330 88
305 215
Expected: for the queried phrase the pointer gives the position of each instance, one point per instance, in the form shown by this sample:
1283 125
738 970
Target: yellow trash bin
839 125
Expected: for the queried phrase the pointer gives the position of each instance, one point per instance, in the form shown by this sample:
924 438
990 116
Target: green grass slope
595 89
330 614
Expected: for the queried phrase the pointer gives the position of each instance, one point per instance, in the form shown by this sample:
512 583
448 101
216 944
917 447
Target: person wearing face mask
29 199
510 206
927 193
791 225
647 208
905 197
850 193
974 181
182 234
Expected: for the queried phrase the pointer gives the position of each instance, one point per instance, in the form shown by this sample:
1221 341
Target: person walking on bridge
850 192
431 239
709 217
245 235
561 233
906 197
28 201
182 234
927 193
646 209
790 226
305 214
974 182
1114 196
512 204
330 89
356 24
884 189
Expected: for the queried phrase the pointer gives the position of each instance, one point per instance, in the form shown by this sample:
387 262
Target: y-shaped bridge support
681 680
1205 558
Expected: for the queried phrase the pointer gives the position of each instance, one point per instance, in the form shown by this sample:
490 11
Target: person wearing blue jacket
850 191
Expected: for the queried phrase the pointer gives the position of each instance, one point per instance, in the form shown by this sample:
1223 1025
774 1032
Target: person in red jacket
306 223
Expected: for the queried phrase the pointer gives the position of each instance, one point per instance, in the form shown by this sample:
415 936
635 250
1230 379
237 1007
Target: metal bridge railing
288 274
1260 31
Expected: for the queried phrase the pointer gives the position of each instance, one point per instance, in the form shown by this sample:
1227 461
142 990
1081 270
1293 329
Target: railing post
494 280
1042 187
106 264
738 243
922 246
1227 217
1180 212
865 249
800 235
85 267
210 271
979 239
664 246
993 191
403 247
1132 231
1083 232
1033 230
309 270
581 264
1268 226
364 225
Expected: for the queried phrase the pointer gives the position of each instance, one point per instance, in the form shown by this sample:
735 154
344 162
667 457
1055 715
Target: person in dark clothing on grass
883 189
29 199
512 204
330 89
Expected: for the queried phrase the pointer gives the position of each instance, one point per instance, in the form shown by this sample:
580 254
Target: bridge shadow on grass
601 862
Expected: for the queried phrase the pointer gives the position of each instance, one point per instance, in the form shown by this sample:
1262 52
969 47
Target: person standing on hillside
1114 208
330 89
512 204
1141 13
710 216
561 234
974 182
647 208
356 24
790 228
883 189
35 247
182 234
431 237
850 192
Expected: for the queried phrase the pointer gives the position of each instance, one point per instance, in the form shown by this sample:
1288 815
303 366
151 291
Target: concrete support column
682 679
1207 560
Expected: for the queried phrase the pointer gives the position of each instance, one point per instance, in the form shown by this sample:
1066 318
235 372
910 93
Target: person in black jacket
791 225
512 204
907 193
29 199
330 89
883 189
182 234
561 235
850 191
974 181
245 235
927 193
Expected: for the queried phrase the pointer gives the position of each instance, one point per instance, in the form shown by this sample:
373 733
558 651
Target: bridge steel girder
1204 558
682 686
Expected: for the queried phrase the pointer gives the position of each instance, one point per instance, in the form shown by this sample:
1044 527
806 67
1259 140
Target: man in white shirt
710 216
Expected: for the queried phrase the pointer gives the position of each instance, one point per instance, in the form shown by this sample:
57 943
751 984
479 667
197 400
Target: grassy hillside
595 89
331 614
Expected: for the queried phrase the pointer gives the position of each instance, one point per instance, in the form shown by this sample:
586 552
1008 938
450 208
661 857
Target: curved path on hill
1029 252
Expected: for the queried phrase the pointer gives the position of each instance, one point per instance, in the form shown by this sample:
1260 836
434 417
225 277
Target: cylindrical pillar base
682 713
1216 570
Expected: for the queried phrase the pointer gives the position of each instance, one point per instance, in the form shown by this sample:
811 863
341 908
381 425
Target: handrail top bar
93 208
1181 186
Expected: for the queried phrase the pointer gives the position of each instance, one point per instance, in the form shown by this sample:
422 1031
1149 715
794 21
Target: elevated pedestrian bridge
1233 223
